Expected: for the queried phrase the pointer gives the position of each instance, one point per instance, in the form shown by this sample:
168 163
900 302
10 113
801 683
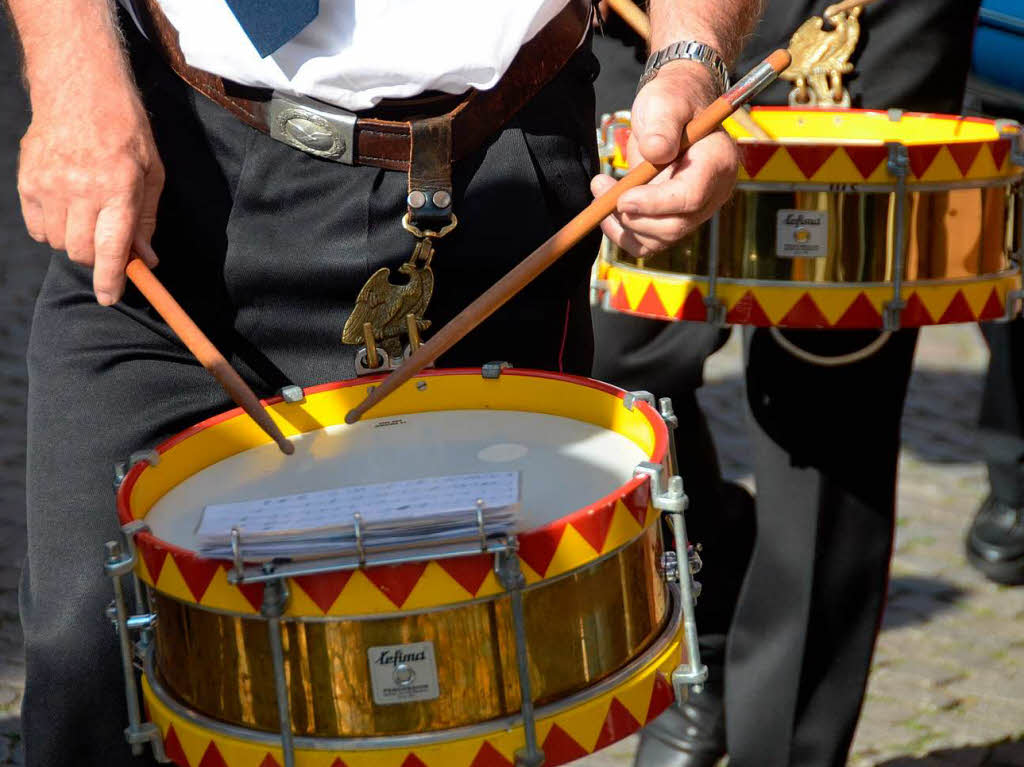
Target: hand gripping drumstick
204 350
637 19
494 297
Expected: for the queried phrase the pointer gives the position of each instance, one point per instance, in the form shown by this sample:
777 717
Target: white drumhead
565 464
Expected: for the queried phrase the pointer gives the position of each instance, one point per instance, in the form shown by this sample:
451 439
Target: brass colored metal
820 59
951 234
580 628
412 328
384 305
372 358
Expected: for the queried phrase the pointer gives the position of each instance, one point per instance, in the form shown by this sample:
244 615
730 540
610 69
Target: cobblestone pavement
947 687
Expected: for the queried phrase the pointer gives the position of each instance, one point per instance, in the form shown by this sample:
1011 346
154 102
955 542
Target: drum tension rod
511 577
119 562
898 165
275 600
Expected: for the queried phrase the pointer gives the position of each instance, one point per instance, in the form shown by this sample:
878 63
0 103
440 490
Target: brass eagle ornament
385 305
820 59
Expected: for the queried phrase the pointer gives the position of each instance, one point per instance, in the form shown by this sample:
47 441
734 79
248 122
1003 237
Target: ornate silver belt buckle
313 127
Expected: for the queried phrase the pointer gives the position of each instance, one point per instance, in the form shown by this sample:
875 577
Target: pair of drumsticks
490 301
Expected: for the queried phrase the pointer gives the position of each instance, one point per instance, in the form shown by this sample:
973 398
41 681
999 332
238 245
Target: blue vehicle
996 86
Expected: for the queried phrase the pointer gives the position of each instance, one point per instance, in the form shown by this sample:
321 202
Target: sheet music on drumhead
390 515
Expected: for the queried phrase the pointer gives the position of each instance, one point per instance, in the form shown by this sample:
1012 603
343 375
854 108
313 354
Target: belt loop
430 173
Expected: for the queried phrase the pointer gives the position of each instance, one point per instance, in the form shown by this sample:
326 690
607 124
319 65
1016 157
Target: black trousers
1002 411
267 248
798 614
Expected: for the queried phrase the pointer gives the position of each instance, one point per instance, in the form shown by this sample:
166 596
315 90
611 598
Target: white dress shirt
357 52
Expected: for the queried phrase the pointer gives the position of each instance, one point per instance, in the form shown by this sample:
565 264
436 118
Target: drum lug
121 468
670 566
671 498
1011 129
492 370
1013 305
631 398
292 394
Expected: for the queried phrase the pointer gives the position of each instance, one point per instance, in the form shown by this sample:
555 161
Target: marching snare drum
602 630
846 219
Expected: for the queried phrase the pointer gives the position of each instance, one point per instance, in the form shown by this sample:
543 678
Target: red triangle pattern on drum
957 311
269 761
619 299
537 548
921 157
253 592
651 304
964 154
338 763
489 756
662 697
396 582
915 313
810 158
560 747
993 307
755 156
617 725
999 150
693 307
324 589
638 501
866 158
621 138
861 314
154 557
468 572
212 757
173 749
413 761
747 311
197 573
804 314
595 524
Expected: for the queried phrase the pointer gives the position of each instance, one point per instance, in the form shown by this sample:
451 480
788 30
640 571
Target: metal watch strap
687 50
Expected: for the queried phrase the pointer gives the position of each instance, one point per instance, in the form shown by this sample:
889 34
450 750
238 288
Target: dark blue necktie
269 24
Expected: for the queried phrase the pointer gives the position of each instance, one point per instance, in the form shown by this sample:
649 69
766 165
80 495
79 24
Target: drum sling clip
119 562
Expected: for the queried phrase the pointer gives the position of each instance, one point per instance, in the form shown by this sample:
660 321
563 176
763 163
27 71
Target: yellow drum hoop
668 296
568 729
817 148
551 551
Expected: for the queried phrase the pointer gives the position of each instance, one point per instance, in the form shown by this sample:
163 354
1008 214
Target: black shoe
995 542
687 735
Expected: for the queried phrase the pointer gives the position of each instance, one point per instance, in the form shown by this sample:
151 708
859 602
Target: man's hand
685 194
89 175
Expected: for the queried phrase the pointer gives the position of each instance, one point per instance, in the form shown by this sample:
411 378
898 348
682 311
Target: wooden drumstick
204 350
633 15
561 241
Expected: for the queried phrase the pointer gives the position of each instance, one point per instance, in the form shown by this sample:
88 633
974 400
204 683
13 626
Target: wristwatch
689 50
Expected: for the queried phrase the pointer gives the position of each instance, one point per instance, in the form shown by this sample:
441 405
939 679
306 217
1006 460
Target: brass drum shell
580 627
952 234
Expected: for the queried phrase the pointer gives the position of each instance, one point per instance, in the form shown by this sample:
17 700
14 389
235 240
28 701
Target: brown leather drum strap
388 143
